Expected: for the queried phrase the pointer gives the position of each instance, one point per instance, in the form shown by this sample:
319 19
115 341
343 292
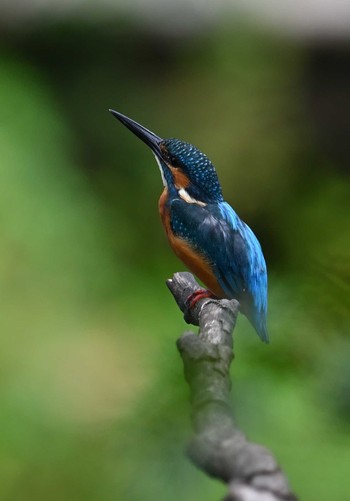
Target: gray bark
218 447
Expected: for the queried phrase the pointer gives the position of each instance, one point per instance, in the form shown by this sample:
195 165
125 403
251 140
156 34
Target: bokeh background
93 403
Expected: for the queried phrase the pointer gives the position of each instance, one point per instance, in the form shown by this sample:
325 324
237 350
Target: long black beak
141 132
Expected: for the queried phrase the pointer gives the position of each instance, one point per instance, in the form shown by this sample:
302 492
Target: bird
203 230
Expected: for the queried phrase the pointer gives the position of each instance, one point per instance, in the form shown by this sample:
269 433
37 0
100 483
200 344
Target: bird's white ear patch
187 198
165 184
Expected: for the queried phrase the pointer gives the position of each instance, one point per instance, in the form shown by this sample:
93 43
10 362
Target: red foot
197 296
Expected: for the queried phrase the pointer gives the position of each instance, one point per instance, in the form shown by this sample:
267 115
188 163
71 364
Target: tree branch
219 448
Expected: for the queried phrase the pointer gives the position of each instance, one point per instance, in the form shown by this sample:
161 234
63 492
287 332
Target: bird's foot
197 296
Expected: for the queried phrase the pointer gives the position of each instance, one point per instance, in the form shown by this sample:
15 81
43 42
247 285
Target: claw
197 296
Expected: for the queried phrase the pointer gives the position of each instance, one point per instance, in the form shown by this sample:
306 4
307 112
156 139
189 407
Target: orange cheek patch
180 179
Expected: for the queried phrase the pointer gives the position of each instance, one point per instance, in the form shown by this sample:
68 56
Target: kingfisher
203 230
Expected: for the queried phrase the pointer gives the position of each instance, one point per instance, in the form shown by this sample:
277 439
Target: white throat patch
187 198
165 184
184 195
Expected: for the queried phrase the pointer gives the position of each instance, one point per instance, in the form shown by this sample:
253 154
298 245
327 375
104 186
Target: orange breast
192 259
162 205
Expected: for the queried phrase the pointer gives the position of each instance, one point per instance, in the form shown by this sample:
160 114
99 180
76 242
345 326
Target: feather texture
230 249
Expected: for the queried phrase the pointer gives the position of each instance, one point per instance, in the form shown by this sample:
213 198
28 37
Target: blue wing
233 252
252 269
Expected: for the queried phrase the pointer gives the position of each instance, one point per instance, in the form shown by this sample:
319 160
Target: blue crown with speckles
204 182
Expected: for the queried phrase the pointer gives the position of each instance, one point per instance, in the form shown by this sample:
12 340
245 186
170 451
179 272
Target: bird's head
183 167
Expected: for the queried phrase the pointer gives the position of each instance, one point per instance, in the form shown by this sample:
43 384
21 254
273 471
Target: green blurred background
93 403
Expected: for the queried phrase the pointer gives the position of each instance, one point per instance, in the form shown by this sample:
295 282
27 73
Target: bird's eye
169 158
174 161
